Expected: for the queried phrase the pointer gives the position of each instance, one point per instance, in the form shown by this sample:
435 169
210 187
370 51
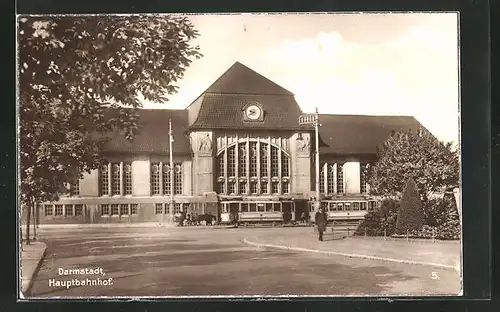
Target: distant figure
303 217
321 220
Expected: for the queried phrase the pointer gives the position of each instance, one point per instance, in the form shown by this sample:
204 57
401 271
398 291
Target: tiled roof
153 137
360 134
239 79
281 112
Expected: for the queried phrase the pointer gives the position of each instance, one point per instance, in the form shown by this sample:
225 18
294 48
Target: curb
26 293
442 266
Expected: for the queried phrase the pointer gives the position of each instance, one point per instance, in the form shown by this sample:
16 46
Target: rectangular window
263 160
104 180
127 178
253 207
274 162
167 208
177 208
105 210
59 210
275 187
340 207
231 167
242 160
362 177
133 209
285 166
221 187
158 208
49 210
166 178
286 187
340 178
75 188
243 187
114 209
124 210
178 179
253 187
155 178
269 207
78 210
333 207
355 206
68 210
220 161
261 207
263 187
277 207
244 207
231 187
253 159
115 179
363 206
331 178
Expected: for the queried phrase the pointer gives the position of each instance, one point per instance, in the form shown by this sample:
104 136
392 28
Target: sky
370 64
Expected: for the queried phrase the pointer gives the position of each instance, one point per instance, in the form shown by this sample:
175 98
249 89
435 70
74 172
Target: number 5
434 276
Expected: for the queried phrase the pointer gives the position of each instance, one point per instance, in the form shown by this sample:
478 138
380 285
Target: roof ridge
364 115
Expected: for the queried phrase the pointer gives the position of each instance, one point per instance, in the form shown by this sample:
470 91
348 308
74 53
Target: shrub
380 220
410 215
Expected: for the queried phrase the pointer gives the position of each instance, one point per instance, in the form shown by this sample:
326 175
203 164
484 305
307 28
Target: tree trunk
35 219
28 219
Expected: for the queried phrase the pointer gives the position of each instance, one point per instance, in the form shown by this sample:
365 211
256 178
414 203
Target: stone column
300 148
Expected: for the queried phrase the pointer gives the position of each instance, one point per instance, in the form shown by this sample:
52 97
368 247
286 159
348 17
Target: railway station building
239 145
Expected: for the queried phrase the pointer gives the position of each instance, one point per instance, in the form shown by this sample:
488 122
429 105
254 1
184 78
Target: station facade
238 143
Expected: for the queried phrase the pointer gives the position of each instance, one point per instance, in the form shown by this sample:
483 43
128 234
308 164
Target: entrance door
301 211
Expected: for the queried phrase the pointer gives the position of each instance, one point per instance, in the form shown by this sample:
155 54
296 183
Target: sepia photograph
239 155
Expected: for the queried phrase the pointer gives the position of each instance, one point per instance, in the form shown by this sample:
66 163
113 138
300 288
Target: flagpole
171 139
316 130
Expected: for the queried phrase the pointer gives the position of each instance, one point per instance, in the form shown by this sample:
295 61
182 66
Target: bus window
277 206
269 207
253 207
340 207
363 206
244 207
355 206
260 208
324 205
333 206
347 206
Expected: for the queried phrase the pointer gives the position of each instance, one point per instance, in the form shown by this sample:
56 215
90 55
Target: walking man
321 220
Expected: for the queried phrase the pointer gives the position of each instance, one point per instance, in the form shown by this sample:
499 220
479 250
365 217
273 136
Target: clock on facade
253 112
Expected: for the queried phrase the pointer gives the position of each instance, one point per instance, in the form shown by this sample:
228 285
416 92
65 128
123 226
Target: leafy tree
434 166
411 214
81 78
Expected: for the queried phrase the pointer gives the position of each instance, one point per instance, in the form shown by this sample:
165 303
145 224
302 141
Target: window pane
340 179
75 188
242 160
221 187
158 208
274 162
177 208
155 178
231 187
49 210
105 210
322 179
68 210
115 179
166 178
231 169
124 210
253 159
277 207
178 179
286 187
114 209
59 210
275 187
331 178
260 208
269 207
285 165
133 208
127 179
243 187
220 161
78 210
244 207
263 187
253 207
253 187
263 160
104 180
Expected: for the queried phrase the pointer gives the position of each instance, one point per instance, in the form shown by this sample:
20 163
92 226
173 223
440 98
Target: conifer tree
411 214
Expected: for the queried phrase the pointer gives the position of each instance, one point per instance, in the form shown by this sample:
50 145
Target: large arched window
253 168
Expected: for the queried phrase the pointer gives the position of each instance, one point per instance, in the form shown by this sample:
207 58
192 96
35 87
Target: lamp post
171 140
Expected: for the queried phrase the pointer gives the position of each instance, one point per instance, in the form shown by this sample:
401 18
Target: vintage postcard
239 155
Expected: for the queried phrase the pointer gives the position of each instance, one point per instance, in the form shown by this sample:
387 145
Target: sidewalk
446 256
31 259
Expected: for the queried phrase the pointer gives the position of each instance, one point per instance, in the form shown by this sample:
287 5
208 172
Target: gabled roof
360 134
239 79
222 104
153 136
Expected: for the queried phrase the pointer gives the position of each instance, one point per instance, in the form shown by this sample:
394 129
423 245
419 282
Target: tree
433 165
80 79
411 214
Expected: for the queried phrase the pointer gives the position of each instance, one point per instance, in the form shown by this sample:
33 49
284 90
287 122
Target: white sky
374 64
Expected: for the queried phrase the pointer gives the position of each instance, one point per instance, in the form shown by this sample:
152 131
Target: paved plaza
159 261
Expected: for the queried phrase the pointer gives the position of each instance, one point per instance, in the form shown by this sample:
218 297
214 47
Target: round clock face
253 112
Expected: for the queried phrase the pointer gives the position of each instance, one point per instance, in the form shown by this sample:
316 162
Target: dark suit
321 220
